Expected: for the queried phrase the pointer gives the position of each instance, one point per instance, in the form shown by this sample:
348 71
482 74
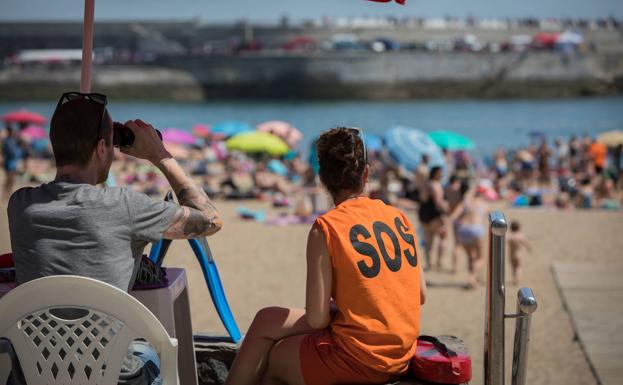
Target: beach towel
289 219
256 215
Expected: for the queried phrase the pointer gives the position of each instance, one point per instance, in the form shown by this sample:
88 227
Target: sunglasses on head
359 132
93 97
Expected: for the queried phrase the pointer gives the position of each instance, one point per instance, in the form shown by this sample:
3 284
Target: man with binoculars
73 226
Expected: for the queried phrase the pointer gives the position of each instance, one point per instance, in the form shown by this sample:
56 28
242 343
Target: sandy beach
264 265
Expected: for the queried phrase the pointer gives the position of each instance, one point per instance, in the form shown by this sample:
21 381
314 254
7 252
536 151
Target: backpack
435 362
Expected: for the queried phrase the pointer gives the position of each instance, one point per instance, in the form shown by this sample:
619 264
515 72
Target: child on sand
516 243
364 289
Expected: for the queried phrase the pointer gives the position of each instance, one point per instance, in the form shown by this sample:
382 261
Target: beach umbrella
177 136
258 142
284 130
33 132
23 116
407 145
230 128
373 142
451 140
611 138
201 130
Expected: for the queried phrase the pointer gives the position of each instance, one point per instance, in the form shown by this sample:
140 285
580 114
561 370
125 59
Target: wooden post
87 46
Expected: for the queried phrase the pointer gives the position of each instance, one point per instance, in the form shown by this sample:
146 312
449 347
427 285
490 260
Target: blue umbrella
230 128
373 142
407 145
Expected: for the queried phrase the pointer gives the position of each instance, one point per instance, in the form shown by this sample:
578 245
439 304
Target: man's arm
196 215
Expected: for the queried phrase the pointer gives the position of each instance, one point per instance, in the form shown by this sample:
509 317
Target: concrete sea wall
338 75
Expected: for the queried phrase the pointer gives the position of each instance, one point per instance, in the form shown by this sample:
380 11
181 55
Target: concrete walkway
593 296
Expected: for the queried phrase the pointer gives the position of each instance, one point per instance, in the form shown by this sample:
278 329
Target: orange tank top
376 282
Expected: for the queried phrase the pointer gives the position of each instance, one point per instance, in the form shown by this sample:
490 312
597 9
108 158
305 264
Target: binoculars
123 136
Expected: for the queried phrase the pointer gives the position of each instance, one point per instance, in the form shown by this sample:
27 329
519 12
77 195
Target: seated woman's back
376 282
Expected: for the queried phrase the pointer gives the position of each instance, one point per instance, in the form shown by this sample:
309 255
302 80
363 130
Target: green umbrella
257 142
451 140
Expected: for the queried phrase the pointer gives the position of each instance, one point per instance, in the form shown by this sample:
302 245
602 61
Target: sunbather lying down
365 287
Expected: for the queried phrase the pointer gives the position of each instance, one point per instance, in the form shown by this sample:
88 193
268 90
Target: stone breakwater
360 75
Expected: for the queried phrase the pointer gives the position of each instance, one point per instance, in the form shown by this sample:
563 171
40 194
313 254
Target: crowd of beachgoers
576 172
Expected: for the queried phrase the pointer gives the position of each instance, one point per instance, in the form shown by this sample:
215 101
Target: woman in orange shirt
365 287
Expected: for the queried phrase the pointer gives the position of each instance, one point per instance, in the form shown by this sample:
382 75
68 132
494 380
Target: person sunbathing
365 286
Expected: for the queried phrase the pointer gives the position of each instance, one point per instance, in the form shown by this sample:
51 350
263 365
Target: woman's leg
479 255
284 364
442 232
268 327
471 276
455 250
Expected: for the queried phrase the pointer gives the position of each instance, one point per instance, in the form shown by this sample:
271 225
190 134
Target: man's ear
100 148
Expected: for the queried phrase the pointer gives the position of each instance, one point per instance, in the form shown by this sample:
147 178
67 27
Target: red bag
435 362
6 261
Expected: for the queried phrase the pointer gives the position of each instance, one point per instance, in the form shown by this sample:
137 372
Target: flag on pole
401 2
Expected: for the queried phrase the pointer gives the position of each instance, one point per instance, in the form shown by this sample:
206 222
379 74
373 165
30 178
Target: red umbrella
23 116
201 130
32 132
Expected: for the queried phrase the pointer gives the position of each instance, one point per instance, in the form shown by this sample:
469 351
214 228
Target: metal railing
495 317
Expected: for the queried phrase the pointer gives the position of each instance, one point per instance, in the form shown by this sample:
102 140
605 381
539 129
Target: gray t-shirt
67 228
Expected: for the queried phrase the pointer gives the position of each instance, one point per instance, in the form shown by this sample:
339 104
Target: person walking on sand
364 290
470 219
516 243
454 193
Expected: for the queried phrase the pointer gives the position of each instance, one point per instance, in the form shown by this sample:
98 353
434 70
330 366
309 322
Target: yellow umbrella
611 138
257 142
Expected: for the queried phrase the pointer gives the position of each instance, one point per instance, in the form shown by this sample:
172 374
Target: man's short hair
74 131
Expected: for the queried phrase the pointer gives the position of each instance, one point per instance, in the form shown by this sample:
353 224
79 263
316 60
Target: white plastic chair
86 350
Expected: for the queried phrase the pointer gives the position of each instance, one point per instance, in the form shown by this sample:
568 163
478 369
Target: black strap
165 242
439 345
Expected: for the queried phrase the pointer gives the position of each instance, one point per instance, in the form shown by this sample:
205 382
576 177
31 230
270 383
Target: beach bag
435 362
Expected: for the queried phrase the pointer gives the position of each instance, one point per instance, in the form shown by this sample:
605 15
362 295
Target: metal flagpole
87 46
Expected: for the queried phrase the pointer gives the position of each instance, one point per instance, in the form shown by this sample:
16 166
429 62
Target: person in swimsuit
470 219
364 290
517 242
454 193
431 214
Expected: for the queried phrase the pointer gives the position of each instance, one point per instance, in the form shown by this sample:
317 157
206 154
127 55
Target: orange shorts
323 362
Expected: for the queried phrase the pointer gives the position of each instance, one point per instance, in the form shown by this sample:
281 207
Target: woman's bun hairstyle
342 159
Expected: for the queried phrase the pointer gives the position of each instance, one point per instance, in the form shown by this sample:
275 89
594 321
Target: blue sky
271 10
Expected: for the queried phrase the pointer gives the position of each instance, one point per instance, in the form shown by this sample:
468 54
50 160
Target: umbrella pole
87 46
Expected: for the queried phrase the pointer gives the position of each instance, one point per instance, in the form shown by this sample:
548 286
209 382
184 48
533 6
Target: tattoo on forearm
199 214
196 224
196 198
